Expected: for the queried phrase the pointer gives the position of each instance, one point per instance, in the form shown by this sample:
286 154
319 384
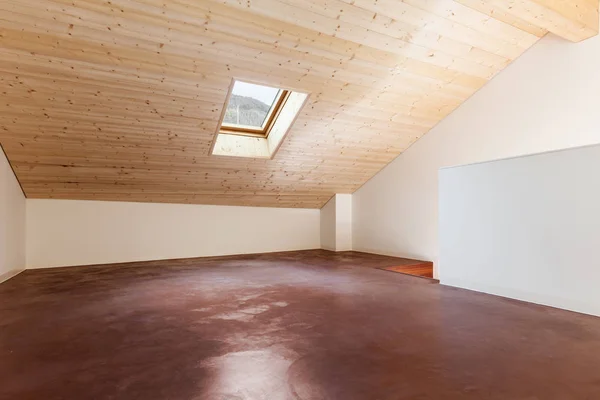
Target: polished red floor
300 325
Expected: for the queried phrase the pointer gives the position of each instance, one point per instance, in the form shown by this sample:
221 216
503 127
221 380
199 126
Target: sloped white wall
547 99
12 222
66 232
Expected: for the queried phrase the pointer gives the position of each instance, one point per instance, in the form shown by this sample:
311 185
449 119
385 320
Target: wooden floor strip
420 268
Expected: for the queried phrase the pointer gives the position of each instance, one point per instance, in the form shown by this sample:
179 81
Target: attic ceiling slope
574 20
120 100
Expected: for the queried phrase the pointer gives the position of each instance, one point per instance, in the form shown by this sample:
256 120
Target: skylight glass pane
249 105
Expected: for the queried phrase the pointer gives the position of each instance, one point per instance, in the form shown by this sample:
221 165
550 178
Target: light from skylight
250 105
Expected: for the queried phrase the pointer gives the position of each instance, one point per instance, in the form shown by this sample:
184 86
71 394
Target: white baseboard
327 248
527 297
10 274
335 250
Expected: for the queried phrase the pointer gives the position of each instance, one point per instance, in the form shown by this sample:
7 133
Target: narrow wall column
336 223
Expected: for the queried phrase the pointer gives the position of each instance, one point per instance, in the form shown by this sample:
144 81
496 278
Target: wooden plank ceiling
120 99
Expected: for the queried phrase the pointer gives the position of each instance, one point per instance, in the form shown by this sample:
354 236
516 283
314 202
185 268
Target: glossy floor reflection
298 325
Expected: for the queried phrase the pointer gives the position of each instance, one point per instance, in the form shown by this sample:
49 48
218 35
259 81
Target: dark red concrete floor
302 325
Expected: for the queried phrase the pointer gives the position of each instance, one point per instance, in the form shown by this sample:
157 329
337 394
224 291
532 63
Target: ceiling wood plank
120 100
574 20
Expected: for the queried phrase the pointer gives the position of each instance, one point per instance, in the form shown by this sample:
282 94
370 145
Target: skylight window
250 105
256 119
252 109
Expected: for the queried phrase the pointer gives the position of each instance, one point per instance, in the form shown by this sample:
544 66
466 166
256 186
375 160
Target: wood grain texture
119 100
574 20
413 267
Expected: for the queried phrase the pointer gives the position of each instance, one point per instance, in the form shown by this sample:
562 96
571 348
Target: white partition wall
65 232
12 222
526 228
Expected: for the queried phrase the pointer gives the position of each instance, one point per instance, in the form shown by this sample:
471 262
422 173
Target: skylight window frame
270 119
249 145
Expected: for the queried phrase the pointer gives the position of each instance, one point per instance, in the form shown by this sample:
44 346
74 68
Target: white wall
66 232
328 225
12 222
343 222
547 99
336 223
526 228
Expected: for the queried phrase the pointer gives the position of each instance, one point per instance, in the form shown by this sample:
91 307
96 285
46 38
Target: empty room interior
299 199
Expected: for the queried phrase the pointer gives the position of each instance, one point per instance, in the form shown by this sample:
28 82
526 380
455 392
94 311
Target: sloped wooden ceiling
120 99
